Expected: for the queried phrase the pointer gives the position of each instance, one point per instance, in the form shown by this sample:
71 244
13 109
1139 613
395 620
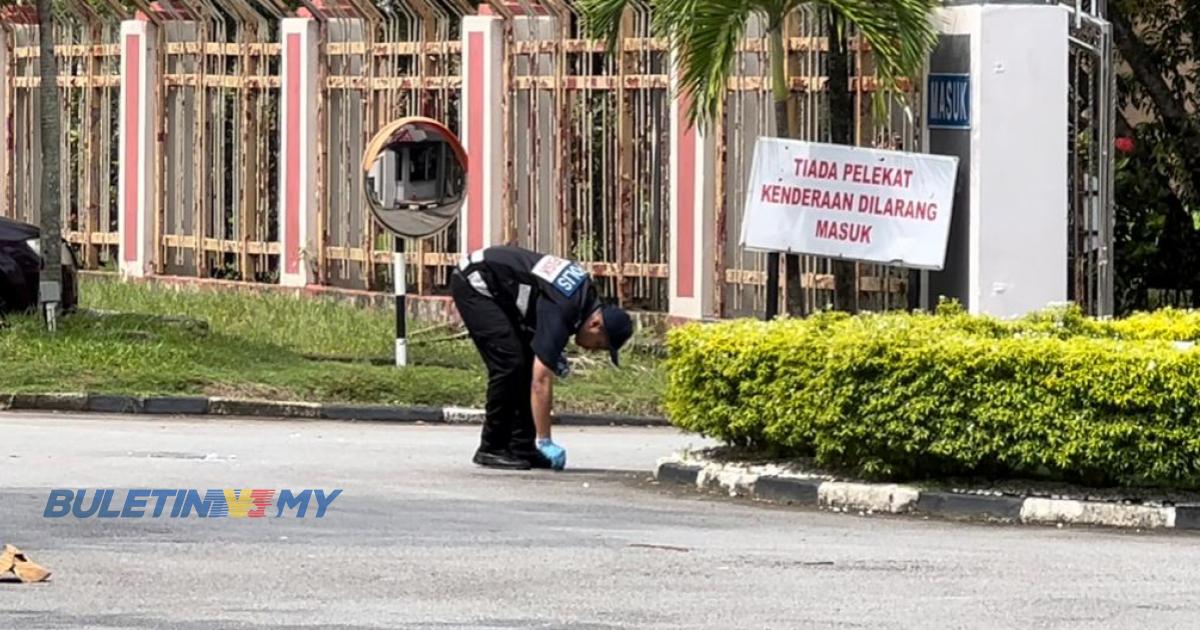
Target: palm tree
703 37
49 293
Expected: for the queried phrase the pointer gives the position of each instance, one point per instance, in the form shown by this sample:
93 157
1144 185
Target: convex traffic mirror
415 175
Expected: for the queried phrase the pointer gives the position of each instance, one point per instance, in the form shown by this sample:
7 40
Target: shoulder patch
562 274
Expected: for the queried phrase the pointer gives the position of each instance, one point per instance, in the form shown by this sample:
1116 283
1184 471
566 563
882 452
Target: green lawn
272 346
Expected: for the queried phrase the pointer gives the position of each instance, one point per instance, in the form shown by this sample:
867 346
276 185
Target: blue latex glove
553 452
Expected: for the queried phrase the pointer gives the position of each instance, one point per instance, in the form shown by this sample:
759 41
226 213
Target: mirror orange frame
385 138
391 134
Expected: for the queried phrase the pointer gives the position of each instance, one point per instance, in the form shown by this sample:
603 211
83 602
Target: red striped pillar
692 279
298 152
137 146
481 222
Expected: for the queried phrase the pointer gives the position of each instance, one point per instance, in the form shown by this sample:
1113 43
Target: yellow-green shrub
913 395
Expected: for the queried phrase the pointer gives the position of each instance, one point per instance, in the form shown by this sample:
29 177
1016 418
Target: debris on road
26 570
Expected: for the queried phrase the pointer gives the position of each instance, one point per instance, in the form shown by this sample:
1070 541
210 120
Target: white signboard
846 202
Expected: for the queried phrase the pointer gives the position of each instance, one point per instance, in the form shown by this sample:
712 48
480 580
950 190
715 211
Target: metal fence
219 98
89 83
379 63
586 138
749 114
591 180
1091 177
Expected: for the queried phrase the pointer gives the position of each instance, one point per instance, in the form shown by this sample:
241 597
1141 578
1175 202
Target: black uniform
518 304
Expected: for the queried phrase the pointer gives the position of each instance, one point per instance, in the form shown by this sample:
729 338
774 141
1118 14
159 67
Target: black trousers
509 360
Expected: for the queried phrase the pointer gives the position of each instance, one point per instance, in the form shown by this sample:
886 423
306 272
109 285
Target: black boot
504 461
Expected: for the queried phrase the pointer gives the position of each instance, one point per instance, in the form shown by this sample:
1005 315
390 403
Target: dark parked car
20 264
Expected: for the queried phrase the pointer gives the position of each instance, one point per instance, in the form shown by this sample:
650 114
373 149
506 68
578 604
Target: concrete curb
236 407
779 485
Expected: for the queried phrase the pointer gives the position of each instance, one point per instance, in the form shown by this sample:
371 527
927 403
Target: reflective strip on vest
523 293
478 283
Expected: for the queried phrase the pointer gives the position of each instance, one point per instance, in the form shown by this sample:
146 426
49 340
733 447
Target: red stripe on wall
291 203
685 219
133 140
475 135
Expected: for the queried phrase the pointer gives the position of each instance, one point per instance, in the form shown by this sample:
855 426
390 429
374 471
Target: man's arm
542 398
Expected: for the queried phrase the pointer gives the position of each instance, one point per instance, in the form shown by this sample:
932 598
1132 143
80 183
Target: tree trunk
779 91
49 294
841 119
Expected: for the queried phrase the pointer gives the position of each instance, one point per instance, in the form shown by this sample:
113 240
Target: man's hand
553 452
542 400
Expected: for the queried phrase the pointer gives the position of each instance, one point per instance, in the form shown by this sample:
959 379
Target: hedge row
1053 395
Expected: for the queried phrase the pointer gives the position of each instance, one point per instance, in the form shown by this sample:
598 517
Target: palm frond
704 48
900 32
602 19
703 37
671 19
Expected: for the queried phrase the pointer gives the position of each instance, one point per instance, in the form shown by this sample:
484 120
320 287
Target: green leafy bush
1055 394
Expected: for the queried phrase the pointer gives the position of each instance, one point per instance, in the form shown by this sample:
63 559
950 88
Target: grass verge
262 346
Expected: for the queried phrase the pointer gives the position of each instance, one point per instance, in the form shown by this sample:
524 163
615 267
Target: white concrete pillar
386 172
136 187
298 229
481 223
1008 243
692 280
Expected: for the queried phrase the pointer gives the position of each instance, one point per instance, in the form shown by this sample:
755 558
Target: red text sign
846 202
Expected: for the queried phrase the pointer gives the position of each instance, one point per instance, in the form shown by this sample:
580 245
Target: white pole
400 289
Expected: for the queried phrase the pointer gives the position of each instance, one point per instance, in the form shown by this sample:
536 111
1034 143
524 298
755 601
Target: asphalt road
419 538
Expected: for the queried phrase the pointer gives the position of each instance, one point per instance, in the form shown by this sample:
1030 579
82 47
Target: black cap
618 327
